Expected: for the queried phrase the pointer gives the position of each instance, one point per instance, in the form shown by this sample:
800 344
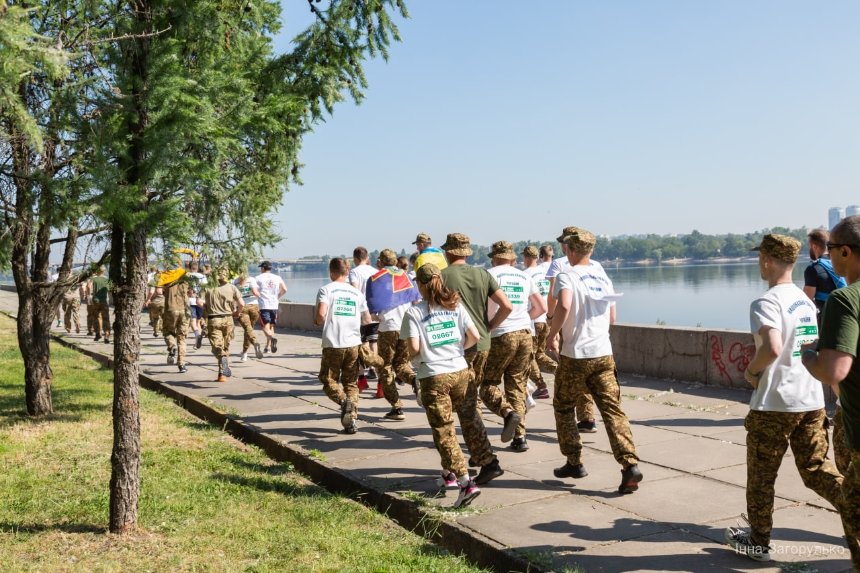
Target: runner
540 362
249 314
100 288
358 277
155 304
427 253
221 304
437 330
271 288
175 321
340 310
71 309
511 345
196 280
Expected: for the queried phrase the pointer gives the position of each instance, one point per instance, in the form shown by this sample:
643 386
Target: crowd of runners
461 336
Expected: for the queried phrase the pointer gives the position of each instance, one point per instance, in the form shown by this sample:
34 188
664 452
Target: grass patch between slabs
208 502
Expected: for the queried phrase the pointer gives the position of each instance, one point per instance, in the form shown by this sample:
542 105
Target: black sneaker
587 426
257 350
473 463
199 342
570 471
171 356
742 543
630 478
225 367
346 417
183 369
519 444
274 345
351 429
98 337
395 414
371 374
512 420
489 472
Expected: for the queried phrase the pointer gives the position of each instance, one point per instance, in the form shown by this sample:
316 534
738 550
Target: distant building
836 214
852 210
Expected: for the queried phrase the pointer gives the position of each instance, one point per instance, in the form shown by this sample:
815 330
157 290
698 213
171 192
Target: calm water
712 296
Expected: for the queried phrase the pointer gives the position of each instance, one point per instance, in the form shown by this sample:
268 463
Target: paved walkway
690 439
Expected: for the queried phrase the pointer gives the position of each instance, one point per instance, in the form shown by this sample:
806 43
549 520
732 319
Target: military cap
531 251
781 247
427 272
565 232
580 240
458 245
422 238
502 250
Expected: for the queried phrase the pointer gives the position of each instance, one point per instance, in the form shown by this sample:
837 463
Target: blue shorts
268 316
196 311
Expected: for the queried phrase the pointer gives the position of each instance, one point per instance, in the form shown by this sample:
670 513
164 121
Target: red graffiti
739 356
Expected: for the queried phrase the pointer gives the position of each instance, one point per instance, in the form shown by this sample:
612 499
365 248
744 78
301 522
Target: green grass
208 502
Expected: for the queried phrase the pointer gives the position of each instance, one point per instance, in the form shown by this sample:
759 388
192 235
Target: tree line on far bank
656 248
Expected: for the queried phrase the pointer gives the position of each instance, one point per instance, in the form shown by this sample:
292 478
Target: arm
366 318
612 314
828 365
765 355
472 337
505 307
322 311
413 345
562 309
237 298
550 300
537 307
282 289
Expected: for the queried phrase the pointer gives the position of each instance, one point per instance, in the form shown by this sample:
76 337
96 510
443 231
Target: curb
457 539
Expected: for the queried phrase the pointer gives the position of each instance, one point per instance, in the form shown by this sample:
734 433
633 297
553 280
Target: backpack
837 280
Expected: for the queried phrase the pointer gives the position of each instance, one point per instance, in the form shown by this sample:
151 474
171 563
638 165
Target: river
711 296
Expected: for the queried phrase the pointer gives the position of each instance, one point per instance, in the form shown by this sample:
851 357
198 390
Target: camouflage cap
458 245
388 257
422 238
427 272
781 247
503 250
580 240
565 232
531 251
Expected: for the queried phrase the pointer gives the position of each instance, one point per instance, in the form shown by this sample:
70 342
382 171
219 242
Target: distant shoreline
681 262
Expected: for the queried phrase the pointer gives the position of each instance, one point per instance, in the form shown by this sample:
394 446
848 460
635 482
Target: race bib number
804 335
543 287
345 307
514 292
442 333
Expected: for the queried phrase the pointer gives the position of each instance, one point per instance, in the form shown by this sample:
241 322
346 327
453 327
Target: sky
510 120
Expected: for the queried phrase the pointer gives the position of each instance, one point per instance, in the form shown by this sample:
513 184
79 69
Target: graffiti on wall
733 361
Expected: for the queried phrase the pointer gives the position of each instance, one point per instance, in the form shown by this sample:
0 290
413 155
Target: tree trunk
33 338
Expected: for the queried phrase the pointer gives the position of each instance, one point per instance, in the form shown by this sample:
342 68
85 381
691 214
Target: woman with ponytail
438 330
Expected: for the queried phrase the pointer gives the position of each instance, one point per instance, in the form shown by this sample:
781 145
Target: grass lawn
208 502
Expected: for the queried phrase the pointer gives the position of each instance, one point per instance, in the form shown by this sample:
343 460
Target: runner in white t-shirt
438 330
539 360
787 405
511 345
584 312
271 288
359 275
341 309
249 314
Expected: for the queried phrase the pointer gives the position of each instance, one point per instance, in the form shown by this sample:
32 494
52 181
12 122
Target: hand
752 378
809 346
552 346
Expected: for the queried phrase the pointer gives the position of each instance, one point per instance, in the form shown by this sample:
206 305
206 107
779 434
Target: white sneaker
244 357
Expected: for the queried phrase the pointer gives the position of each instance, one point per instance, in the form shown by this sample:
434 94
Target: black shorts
370 332
268 316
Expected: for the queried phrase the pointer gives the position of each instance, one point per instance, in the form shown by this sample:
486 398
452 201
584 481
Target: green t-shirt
100 290
840 330
475 286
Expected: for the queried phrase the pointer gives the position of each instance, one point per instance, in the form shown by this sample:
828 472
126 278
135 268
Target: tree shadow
44 527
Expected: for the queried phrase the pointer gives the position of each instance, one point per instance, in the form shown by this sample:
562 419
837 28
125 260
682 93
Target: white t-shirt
269 285
441 333
786 385
586 330
538 274
199 280
359 276
558 265
518 287
342 327
247 294
392 320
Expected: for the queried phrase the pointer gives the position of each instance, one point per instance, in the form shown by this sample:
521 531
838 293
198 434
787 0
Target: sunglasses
831 246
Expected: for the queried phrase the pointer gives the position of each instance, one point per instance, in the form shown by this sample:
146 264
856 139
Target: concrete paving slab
697 423
685 454
788 484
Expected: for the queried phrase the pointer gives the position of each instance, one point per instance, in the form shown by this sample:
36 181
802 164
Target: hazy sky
509 120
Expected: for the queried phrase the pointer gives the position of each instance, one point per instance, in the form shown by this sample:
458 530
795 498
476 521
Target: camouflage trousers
395 356
851 507
471 422
340 365
71 308
769 434
841 451
576 376
367 357
91 318
175 331
248 317
101 322
442 395
540 361
509 358
220 330
156 313
584 402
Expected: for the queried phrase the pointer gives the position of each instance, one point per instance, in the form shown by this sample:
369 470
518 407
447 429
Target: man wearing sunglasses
833 362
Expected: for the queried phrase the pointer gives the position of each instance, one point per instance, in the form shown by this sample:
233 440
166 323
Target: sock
463 480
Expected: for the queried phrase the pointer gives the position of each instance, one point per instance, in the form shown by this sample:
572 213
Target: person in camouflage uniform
476 287
175 322
71 308
220 305
584 312
155 304
833 361
511 346
249 315
540 362
787 405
